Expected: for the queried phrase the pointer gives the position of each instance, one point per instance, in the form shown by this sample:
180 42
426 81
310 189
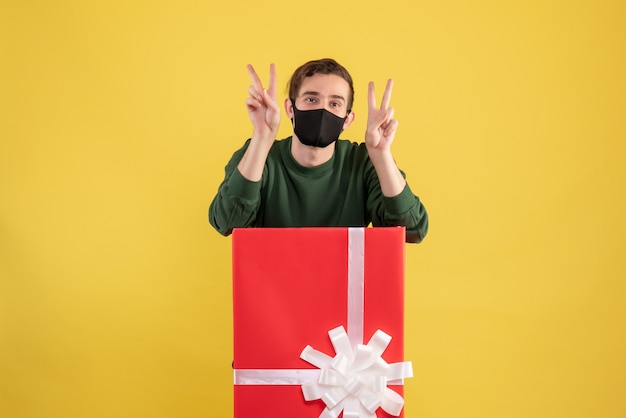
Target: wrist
264 136
379 155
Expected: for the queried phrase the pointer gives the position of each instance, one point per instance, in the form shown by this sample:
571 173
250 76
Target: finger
256 81
387 95
388 120
389 131
371 97
254 93
272 87
270 102
252 104
391 127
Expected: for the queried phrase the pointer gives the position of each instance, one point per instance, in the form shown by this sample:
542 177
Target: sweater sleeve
237 200
405 209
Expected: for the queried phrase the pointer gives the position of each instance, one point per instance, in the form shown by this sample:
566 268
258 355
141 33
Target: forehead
325 85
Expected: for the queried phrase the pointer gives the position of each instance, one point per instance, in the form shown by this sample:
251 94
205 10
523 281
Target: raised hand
379 134
381 126
262 105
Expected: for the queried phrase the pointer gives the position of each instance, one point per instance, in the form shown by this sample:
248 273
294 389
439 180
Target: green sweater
344 191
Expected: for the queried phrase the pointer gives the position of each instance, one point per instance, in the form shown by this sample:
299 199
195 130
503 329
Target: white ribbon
356 284
355 380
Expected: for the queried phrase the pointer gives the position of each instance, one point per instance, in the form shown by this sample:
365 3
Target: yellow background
117 118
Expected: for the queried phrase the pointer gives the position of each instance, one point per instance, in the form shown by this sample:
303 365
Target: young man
312 178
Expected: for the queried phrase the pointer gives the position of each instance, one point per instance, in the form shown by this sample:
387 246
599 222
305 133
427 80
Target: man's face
324 91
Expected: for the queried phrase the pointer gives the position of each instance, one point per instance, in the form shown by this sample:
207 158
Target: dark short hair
321 66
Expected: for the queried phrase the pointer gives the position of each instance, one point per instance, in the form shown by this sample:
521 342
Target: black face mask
316 128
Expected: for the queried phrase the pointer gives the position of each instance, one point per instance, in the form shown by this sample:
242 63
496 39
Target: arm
238 198
264 114
237 201
395 203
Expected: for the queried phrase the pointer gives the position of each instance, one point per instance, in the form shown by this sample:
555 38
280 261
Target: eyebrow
315 93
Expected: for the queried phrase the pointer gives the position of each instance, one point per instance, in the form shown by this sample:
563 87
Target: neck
308 156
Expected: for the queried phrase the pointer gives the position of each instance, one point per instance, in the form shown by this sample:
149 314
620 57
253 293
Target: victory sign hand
381 126
262 105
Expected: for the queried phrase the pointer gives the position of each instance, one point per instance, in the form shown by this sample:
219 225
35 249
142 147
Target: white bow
355 381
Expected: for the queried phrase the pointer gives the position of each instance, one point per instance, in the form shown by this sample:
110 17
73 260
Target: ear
289 108
349 120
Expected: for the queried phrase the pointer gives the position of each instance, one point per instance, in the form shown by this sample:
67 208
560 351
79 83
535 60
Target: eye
335 104
310 100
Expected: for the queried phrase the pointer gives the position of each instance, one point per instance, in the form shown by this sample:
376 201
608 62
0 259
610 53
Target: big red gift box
290 287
